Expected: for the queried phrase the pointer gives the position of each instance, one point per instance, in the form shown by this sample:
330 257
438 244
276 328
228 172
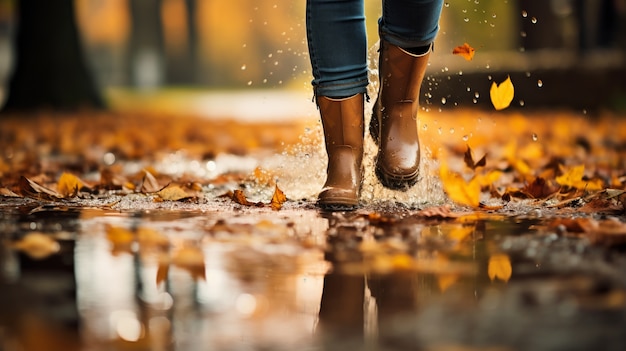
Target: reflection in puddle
296 280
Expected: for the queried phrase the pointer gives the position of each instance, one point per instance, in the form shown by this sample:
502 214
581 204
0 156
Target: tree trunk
50 70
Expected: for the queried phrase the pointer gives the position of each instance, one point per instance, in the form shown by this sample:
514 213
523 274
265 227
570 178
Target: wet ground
257 279
128 269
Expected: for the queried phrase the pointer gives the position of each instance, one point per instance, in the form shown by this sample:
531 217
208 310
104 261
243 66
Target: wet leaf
69 185
438 212
499 267
37 245
239 197
149 183
465 51
502 94
278 199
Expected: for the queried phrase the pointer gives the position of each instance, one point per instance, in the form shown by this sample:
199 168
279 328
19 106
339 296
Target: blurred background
548 46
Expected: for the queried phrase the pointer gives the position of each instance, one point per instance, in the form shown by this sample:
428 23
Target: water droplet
584 111
535 137
522 103
108 158
476 94
540 83
451 130
465 137
425 127
475 101
522 34
468 89
243 67
493 15
487 66
533 20
249 82
524 13
447 4
466 19
439 130
443 100
460 73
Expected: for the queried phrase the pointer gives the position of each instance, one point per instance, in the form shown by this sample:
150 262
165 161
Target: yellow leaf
119 236
460 191
69 185
173 193
572 176
489 178
278 199
502 94
499 267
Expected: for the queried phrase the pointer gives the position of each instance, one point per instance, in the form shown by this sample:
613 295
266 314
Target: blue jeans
338 44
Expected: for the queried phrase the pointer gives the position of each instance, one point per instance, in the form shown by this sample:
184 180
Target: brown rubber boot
343 124
394 119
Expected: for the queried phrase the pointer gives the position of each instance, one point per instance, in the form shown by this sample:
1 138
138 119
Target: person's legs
337 47
338 53
407 30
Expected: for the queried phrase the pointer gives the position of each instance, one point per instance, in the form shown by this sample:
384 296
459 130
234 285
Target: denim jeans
338 44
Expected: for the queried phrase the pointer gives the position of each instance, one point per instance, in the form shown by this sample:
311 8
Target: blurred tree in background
50 71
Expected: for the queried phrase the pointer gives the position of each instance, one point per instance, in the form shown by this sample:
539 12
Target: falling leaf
278 199
499 267
502 94
69 185
460 191
465 50
37 245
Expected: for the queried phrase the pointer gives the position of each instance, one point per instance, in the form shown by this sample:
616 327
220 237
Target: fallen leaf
465 50
239 197
31 189
149 183
7 193
278 199
573 178
499 267
502 94
173 192
439 212
69 185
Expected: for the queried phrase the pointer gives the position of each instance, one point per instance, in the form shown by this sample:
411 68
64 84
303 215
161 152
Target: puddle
299 279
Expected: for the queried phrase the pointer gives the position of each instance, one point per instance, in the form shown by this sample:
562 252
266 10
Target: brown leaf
239 197
173 192
149 183
278 199
469 159
438 212
31 189
7 193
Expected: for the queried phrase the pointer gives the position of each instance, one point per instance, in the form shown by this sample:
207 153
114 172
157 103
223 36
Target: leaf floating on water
502 94
465 51
278 199
37 245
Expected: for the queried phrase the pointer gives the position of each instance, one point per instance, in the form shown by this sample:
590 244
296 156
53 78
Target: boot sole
335 206
394 182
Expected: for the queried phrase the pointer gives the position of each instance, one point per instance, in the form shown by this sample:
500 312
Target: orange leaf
460 191
502 94
466 51
469 159
69 185
278 199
